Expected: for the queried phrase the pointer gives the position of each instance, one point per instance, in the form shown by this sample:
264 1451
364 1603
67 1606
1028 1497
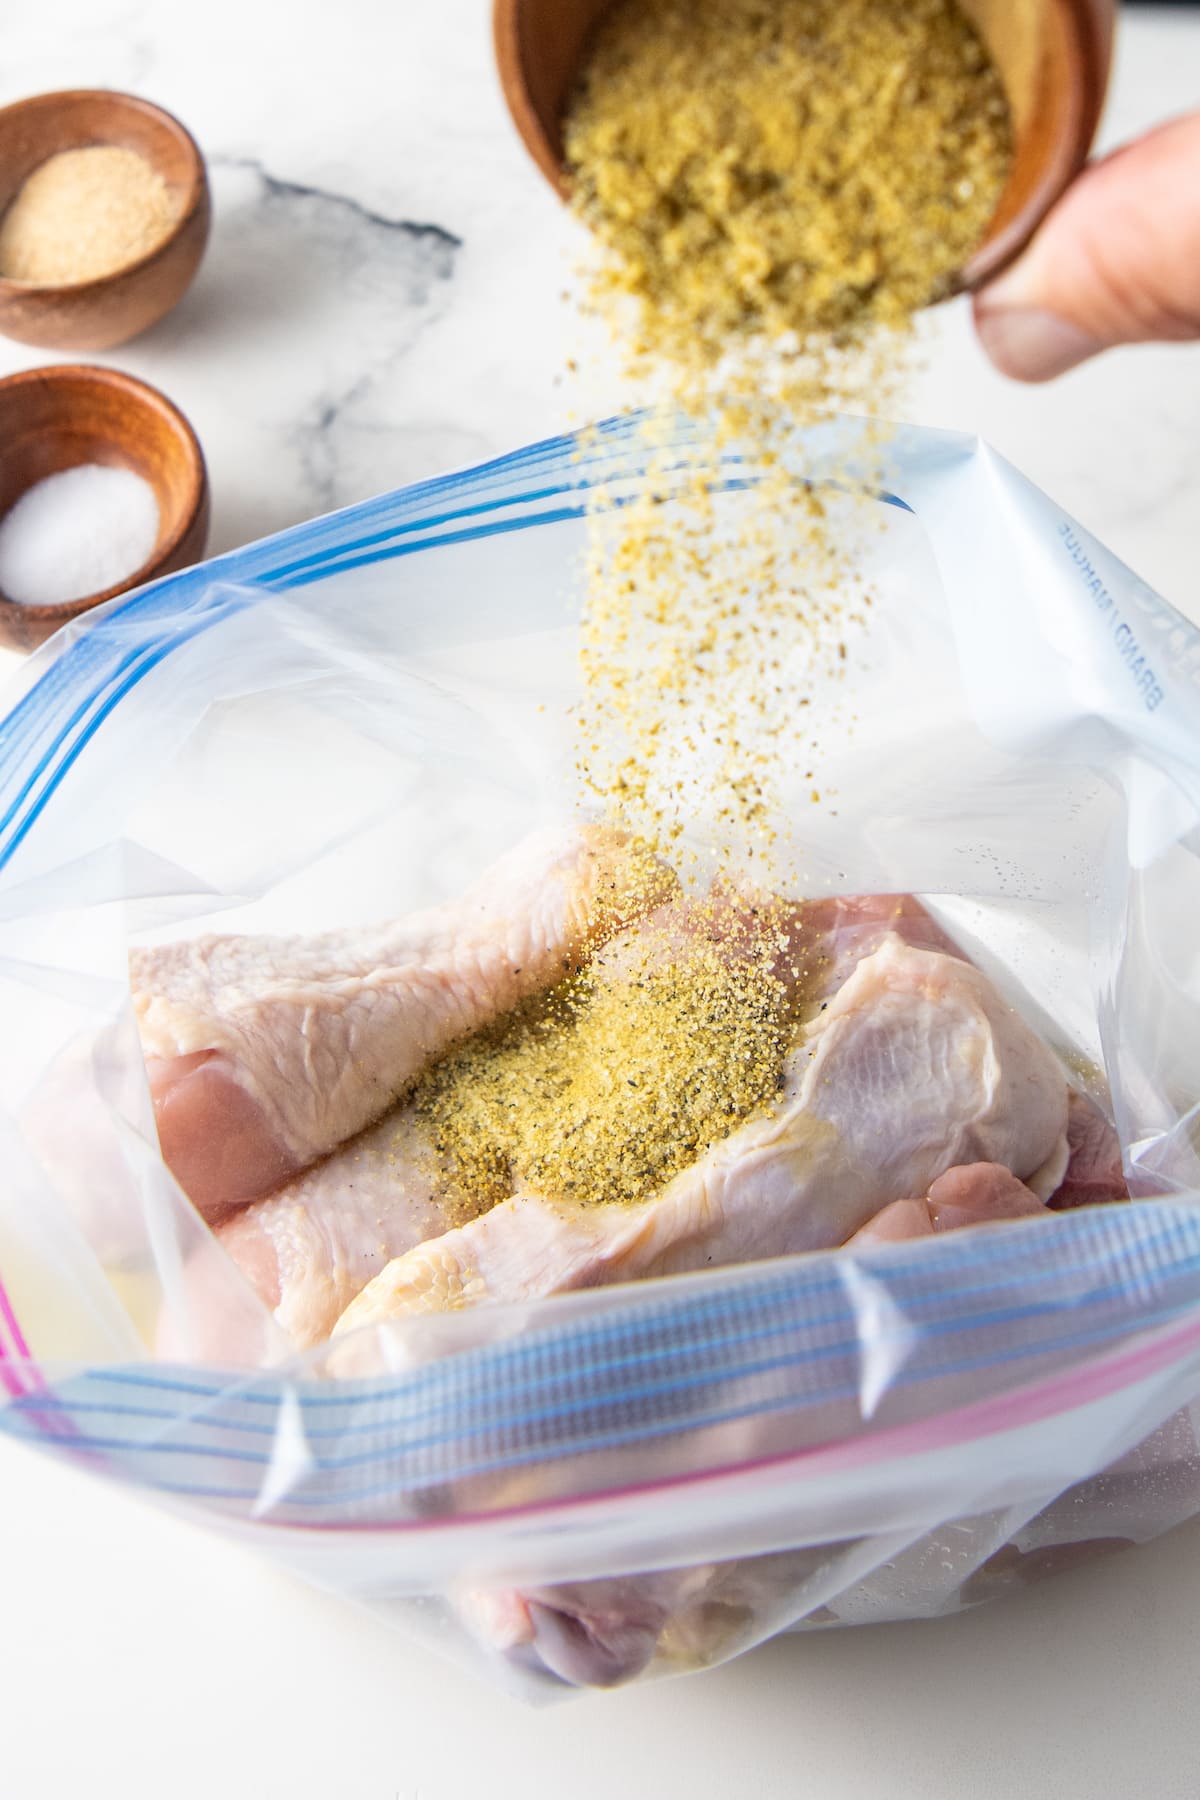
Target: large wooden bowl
1053 56
109 309
56 418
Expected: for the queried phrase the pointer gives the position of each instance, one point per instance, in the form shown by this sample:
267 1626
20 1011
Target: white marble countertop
382 300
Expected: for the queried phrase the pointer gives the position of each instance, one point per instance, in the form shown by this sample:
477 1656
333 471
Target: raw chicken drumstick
310 1248
1095 1174
975 1194
265 1053
916 1065
604 1632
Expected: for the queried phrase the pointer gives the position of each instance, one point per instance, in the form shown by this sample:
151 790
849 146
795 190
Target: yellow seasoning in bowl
799 166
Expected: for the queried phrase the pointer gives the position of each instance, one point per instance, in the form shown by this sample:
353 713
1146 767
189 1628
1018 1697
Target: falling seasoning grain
773 191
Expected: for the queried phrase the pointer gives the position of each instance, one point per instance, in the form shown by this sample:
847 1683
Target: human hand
1116 262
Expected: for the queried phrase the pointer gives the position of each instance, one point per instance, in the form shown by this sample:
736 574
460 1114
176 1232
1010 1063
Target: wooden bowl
56 418
109 309
1053 56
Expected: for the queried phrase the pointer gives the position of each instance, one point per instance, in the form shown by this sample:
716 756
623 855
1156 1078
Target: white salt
76 533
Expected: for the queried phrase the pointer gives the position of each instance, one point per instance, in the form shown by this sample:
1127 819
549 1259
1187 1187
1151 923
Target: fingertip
1115 262
1030 343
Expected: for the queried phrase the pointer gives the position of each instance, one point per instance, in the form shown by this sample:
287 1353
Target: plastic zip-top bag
357 720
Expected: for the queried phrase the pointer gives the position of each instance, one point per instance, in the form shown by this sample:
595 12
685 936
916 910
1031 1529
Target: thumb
1116 262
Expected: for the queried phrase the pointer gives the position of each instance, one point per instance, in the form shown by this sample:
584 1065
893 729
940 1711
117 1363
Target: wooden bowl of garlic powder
104 215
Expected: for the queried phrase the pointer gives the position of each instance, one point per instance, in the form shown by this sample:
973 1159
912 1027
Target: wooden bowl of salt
102 488
104 215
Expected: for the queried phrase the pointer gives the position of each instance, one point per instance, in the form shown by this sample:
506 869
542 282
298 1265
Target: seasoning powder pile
774 188
622 1075
83 214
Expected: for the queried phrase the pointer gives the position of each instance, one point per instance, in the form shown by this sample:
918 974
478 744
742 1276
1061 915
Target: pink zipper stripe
22 1379
9 1380
10 1377
1046 1399
1027 1406
14 1330
1054 1396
